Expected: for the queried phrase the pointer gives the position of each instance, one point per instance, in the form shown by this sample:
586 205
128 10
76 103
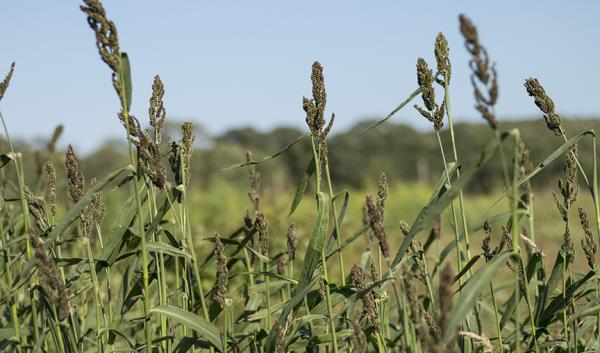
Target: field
141 260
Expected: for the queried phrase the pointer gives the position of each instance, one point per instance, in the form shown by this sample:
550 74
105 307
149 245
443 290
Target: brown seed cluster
51 177
315 110
107 41
588 243
263 233
376 223
432 111
486 246
367 296
222 272
441 51
156 109
36 209
75 181
567 185
149 159
484 77
291 242
545 104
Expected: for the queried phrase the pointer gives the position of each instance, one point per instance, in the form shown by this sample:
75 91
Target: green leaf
204 328
264 159
299 195
534 264
471 291
558 303
312 258
160 247
397 109
126 72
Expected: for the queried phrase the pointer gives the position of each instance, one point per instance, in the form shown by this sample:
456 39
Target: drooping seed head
425 81
588 243
545 104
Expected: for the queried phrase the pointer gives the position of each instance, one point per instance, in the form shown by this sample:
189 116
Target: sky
228 64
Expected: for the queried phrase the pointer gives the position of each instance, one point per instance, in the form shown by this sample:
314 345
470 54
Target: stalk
329 306
137 176
97 301
338 230
26 223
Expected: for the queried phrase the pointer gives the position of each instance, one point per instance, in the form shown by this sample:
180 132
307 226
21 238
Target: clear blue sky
247 63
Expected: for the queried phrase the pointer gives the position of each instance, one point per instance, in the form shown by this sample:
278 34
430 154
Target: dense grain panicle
382 193
545 104
315 111
97 205
376 224
366 295
432 112
156 109
75 180
36 209
49 276
588 243
51 178
263 233
149 157
484 76
105 30
51 145
441 51
425 81
404 227
187 148
4 84
222 272
488 253
291 242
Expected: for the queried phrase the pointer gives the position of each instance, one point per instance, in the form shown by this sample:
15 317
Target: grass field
141 260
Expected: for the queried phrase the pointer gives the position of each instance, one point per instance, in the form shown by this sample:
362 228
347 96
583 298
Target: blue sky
240 63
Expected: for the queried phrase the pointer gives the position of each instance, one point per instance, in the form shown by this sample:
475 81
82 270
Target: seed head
441 54
263 233
4 84
359 278
35 209
280 343
187 145
97 205
222 272
359 337
484 76
545 104
75 180
156 110
51 176
425 80
588 243
315 110
382 193
376 224
488 253
404 227
291 242
51 146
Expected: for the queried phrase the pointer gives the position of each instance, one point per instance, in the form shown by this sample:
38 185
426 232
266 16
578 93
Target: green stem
329 306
